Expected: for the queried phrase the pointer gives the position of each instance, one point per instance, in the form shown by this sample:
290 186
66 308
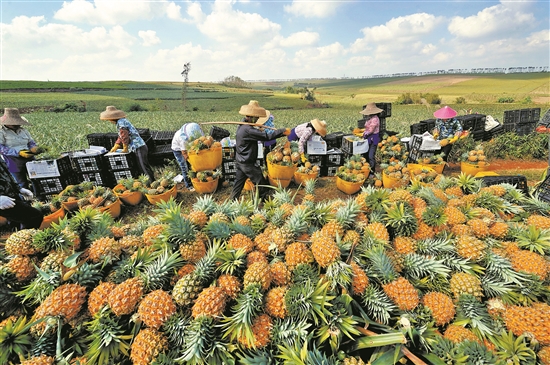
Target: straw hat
262 120
11 117
112 113
320 126
371 109
445 113
253 109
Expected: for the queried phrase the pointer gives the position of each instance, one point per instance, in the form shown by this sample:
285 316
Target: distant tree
309 94
235 81
290 90
460 100
185 74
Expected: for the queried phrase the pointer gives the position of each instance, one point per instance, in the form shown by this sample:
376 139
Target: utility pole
185 74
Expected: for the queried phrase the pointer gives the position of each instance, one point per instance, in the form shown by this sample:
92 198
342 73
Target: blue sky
85 40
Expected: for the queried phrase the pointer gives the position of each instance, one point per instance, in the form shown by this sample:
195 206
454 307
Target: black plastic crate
478 135
229 167
382 127
386 109
524 116
472 122
511 127
87 162
525 128
228 153
116 176
334 140
52 185
335 159
420 128
416 153
229 177
96 139
535 115
219 133
511 116
319 160
519 181
98 178
120 161
162 137
161 154
496 131
545 121
543 190
328 170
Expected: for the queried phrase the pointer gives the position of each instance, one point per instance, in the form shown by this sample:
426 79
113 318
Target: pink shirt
304 133
372 126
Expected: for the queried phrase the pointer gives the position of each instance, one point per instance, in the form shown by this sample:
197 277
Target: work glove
26 154
287 132
115 147
303 157
124 148
6 202
27 194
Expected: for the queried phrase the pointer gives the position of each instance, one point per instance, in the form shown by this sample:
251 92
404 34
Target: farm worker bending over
372 133
13 206
129 139
303 133
246 149
446 127
187 132
16 145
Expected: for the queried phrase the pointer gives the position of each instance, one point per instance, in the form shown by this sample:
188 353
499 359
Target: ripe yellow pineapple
464 283
258 273
155 308
20 243
255 256
261 330
280 273
22 267
150 234
350 360
98 296
454 215
104 247
378 231
470 247
423 232
441 305
298 253
147 345
39 360
498 230
402 293
457 334
537 220
124 298
480 229
131 243
193 251
454 191
325 250
419 206
240 241
210 302
529 262
534 320
198 218
351 236
461 229
401 195
359 279
544 355
65 301
230 284
275 304
404 245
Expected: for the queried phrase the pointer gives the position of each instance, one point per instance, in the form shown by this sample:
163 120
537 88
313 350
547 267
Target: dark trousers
23 214
370 156
143 162
245 171
446 150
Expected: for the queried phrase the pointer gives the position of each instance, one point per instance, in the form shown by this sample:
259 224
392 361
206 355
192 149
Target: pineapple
454 215
458 334
39 360
210 302
534 319
344 219
275 302
400 219
65 301
298 253
105 248
230 284
404 245
325 250
359 280
464 283
261 333
309 190
147 345
470 247
124 298
151 234
21 243
155 308
530 262
537 220
258 273
22 267
98 297
280 274
240 241
378 231
498 230
193 251
441 306
479 228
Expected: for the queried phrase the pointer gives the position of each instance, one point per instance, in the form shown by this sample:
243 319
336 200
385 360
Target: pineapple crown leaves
102 227
428 195
256 357
299 220
377 304
289 331
322 213
501 268
470 311
527 293
309 300
468 183
435 246
534 239
179 229
400 218
108 339
346 214
206 266
242 229
434 215
446 350
206 204
248 305
341 323
418 266
381 266
158 273
218 230
15 339
300 355
535 205
460 264
495 204
198 341
339 274
40 287
87 274
231 261
51 239
175 328
510 348
84 221
305 272
494 287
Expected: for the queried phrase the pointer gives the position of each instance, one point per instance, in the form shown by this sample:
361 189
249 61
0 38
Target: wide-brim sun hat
253 109
262 120
12 117
112 113
320 126
371 109
445 113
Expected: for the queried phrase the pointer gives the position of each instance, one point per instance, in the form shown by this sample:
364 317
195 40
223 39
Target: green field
339 102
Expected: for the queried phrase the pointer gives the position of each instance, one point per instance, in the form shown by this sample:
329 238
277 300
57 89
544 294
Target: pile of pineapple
204 176
451 272
49 207
396 170
308 168
355 169
423 175
475 157
391 149
284 154
131 185
198 143
436 159
99 197
75 193
162 184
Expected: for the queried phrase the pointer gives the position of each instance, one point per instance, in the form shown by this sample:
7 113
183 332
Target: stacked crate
521 121
332 162
162 142
229 169
386 113
120 166
50 177
89 166
423 126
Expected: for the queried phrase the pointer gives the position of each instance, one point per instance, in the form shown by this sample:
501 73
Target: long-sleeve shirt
128 135
304 133
11 142
447 129
246 149
372 126
8 185
188 130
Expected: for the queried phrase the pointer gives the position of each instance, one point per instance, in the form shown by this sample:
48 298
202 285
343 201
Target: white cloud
312 9
226 25
110 12
539 39
300 39
496 20
323 54
149 37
